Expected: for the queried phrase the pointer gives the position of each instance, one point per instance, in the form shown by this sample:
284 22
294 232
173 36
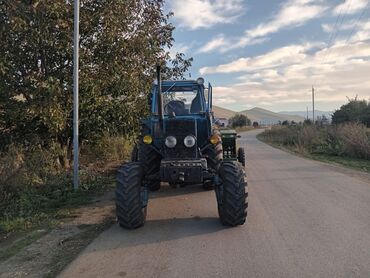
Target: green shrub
108 149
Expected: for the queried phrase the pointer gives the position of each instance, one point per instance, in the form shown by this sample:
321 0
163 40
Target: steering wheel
176 106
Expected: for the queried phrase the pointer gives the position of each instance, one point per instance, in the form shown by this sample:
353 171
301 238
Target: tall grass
347 140
33 183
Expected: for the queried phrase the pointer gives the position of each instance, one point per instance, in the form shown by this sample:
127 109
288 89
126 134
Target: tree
322 120
120 44
255 124
239 120
353 111
307 122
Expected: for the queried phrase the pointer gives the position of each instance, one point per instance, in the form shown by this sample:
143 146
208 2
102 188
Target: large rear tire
214 156
232 198
130 208
241 156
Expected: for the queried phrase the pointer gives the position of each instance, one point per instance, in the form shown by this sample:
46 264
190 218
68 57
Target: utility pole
76 179
307 113
313 105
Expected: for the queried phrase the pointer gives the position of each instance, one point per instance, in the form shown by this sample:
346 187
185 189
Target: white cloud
350 6
360 31
222 45
291 14
282 77
278 57
214 44
195 14
328 28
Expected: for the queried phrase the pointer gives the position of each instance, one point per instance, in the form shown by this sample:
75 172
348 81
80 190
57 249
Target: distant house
223 121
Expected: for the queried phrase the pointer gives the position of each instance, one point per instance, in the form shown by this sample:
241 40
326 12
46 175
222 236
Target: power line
335 27
333 35
313 104
335 30
344 15
357 21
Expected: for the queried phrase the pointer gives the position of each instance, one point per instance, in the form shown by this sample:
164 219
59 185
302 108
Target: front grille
180 129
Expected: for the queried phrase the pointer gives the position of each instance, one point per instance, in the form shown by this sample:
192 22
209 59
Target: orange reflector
215 139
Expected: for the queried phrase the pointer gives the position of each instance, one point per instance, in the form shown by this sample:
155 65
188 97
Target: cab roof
167 83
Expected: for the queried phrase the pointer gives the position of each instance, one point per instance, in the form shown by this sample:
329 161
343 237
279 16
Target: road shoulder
54 249
362 175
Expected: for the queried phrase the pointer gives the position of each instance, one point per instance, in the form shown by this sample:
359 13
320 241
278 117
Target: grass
349 162
10 249
353 163
54 207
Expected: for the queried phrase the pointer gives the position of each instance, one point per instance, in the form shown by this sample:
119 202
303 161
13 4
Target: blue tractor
180 144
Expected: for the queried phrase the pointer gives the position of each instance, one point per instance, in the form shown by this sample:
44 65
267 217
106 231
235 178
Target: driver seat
196 105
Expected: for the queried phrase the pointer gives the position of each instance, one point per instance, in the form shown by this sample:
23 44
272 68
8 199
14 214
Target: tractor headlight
170 142
147 139
189 141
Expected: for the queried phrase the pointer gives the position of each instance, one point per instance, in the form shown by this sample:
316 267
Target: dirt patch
50 251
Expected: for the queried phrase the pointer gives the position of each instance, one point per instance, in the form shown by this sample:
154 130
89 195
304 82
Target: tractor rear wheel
241 156
151 162
231 194
130 208
214 155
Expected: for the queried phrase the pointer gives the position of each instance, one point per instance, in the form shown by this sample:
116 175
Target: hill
259 115
223 112
268 117
304 113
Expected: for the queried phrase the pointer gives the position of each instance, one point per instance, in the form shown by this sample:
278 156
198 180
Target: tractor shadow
168 191
156 232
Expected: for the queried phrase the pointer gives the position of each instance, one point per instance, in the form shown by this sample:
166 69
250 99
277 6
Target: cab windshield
181 101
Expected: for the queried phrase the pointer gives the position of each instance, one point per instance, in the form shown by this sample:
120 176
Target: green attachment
228 137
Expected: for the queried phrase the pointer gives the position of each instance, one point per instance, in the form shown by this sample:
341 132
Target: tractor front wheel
151 162
231 194
130 206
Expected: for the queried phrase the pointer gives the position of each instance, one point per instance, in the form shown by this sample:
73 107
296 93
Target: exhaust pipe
159 94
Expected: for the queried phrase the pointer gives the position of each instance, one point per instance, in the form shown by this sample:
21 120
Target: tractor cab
181 98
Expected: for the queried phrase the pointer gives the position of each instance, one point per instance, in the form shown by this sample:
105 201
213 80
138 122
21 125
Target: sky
268 54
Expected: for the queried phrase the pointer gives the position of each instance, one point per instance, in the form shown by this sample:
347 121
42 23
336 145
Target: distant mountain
264 116
304 113
259 115
223 112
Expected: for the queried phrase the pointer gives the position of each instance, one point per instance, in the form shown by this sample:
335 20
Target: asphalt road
305 219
